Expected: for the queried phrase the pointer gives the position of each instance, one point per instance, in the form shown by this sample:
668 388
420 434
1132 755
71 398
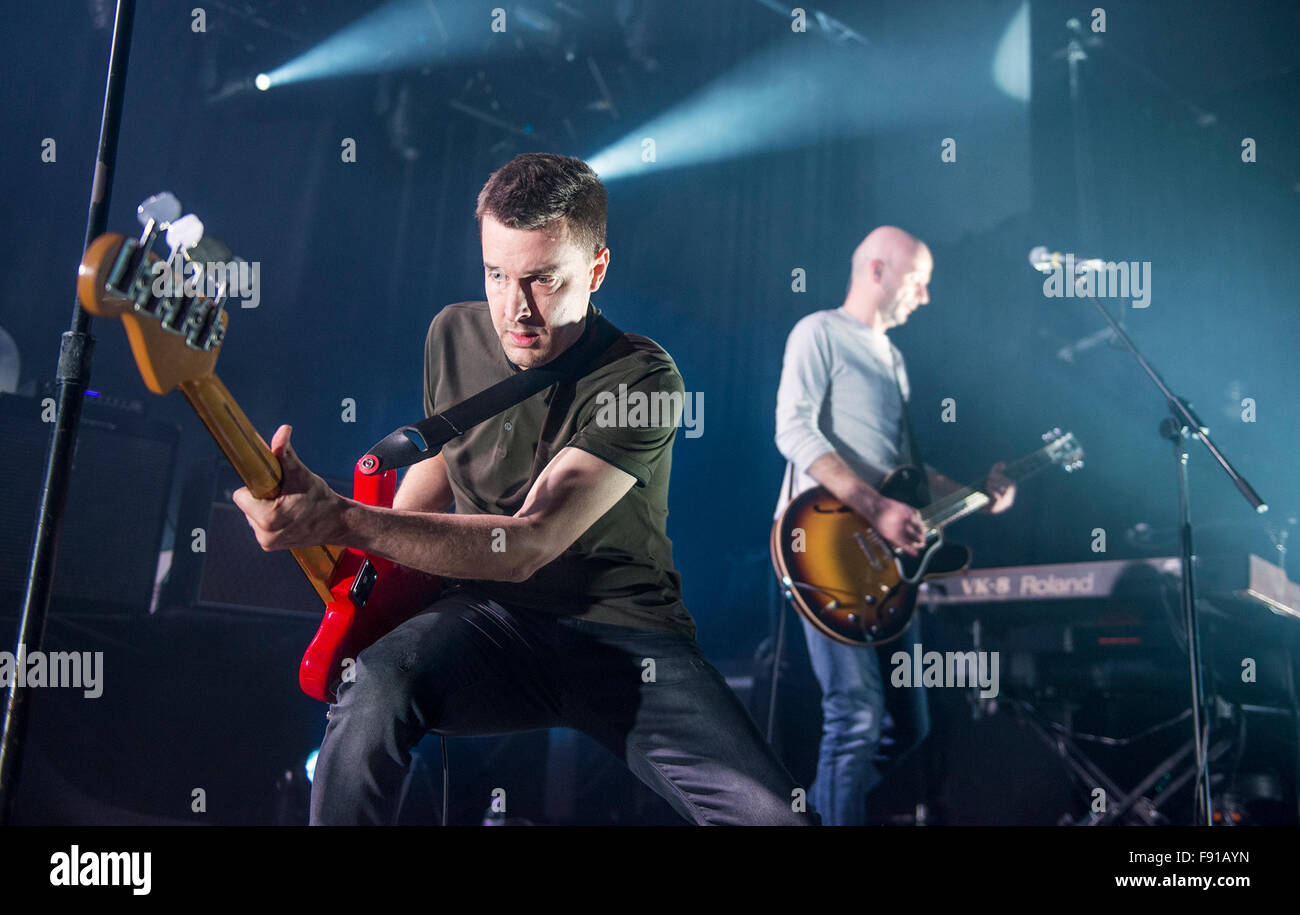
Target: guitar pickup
363 584
867 551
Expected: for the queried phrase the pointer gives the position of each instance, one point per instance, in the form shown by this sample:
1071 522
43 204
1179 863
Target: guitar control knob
869 600
854 619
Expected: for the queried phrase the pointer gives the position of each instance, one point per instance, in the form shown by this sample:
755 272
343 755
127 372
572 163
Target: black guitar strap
419 441
913 450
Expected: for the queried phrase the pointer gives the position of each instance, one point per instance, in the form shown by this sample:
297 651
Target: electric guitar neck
970 499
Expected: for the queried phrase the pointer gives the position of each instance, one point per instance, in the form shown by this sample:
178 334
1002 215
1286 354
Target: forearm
486 547
833 472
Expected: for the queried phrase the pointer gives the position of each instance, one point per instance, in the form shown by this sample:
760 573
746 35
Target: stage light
310 766
766 102
1011 60
778 99
399 35
262 81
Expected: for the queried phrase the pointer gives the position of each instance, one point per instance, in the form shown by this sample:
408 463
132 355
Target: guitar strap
913 450
420 441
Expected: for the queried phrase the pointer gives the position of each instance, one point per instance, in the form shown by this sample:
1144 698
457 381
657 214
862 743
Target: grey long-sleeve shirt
838 393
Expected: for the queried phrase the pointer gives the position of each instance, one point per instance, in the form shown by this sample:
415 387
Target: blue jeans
471 666
854 704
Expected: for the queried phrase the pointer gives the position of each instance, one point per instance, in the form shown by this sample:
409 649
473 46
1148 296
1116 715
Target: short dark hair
535 189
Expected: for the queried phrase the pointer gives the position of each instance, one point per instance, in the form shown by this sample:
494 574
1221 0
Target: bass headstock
173 308
1064 449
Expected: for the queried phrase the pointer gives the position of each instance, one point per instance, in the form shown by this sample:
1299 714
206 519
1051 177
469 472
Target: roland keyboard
1247 578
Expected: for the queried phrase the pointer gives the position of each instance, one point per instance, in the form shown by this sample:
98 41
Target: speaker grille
117 500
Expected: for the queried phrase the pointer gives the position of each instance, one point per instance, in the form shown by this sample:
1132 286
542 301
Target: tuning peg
184 233
213 255
161 209
156 212
210 250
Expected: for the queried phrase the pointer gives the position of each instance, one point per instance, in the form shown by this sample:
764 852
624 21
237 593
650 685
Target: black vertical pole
73 376
1177 431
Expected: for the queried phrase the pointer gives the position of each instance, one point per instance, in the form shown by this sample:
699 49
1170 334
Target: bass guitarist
841 422
569 610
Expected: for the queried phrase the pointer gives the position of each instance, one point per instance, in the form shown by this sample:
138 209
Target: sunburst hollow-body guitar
854 586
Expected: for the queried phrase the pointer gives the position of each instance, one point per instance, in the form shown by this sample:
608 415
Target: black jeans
470 666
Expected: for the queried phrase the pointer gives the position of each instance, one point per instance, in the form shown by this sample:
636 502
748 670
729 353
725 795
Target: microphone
1045 261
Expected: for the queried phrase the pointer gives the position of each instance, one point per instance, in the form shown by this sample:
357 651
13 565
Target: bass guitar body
370 596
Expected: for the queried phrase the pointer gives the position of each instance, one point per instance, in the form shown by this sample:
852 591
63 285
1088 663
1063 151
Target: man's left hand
1000 489
305 513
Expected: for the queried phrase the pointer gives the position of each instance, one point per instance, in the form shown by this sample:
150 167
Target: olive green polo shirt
620 570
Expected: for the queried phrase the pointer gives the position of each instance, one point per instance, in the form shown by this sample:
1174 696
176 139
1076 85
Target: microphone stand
1181 425
1178 427
73 376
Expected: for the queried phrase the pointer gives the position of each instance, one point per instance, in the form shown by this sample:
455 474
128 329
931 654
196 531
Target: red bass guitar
176 333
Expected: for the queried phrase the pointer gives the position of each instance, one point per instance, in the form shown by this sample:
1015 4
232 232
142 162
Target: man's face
905 286
538 283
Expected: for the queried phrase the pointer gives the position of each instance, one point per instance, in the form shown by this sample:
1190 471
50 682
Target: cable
1099 738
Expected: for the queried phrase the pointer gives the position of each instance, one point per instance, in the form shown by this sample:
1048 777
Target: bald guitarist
841 423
